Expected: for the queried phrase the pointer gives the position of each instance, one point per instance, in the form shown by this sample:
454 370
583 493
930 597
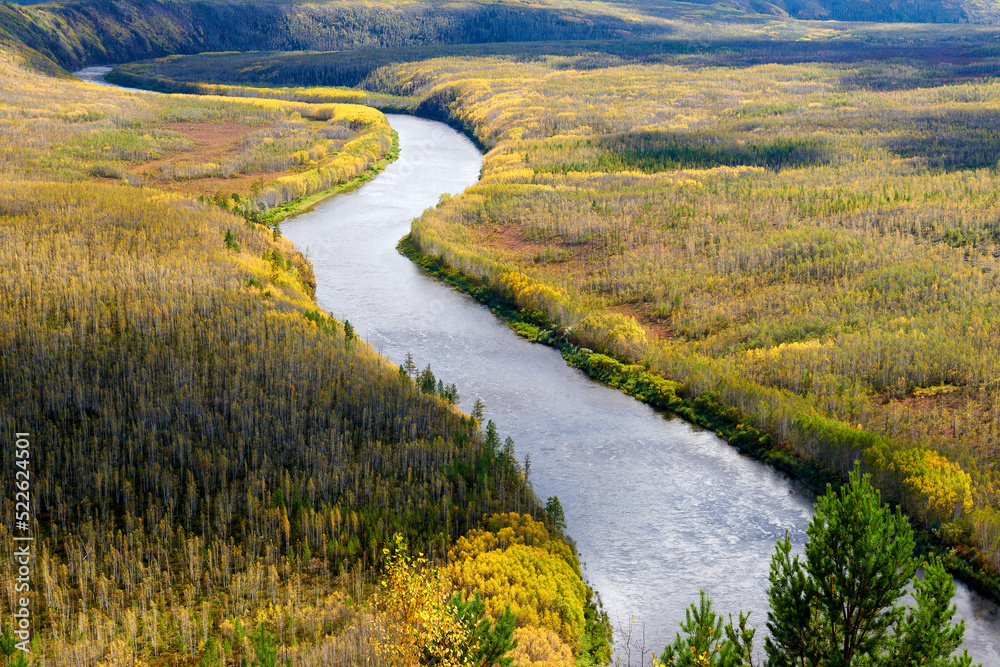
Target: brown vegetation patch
513 240
960 421
950 401
945 414
212 141
653 326
212 138
507 238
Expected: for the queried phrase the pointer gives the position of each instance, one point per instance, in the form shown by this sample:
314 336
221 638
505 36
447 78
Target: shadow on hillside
952 139
664 151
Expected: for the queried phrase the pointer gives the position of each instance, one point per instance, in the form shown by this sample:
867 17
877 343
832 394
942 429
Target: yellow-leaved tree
420 621
540 647
931 487
514 562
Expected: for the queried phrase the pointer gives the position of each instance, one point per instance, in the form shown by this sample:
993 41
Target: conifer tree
478 409
839 606
554 510
708 643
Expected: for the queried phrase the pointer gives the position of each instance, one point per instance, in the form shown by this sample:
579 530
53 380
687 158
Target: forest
807 247
78 33
786 231
965 53
219 468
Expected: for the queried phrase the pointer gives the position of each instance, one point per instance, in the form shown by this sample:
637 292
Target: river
658 507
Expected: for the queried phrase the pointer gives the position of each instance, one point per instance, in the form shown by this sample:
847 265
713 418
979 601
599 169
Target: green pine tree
707 643
426 380
927 635
212 656
488 643
264 647
839 605
478 408
554 510
492 437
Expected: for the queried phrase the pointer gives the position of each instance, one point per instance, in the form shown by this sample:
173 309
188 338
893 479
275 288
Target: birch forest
785 230
219 467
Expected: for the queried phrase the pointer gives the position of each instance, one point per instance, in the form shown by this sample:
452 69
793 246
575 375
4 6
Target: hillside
75 33
78 33
932 54
216 466
890 11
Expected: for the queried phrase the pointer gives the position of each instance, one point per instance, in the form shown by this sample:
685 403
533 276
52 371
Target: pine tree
488 643
426 380
492 437
707 643
478 408
839 606
927 636
554 510
264 647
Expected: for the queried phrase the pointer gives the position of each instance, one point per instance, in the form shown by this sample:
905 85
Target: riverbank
704 410
104 76
303 204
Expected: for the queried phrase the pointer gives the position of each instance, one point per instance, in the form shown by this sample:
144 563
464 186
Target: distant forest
84 33
76 33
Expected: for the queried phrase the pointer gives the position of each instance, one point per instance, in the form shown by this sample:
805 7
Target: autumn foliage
218 463
814 243
793 223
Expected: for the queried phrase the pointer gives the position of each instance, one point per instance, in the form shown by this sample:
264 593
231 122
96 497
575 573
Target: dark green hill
85 32
78 33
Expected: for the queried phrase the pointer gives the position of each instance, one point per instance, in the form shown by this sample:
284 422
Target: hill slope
86 32
209 452
78 33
